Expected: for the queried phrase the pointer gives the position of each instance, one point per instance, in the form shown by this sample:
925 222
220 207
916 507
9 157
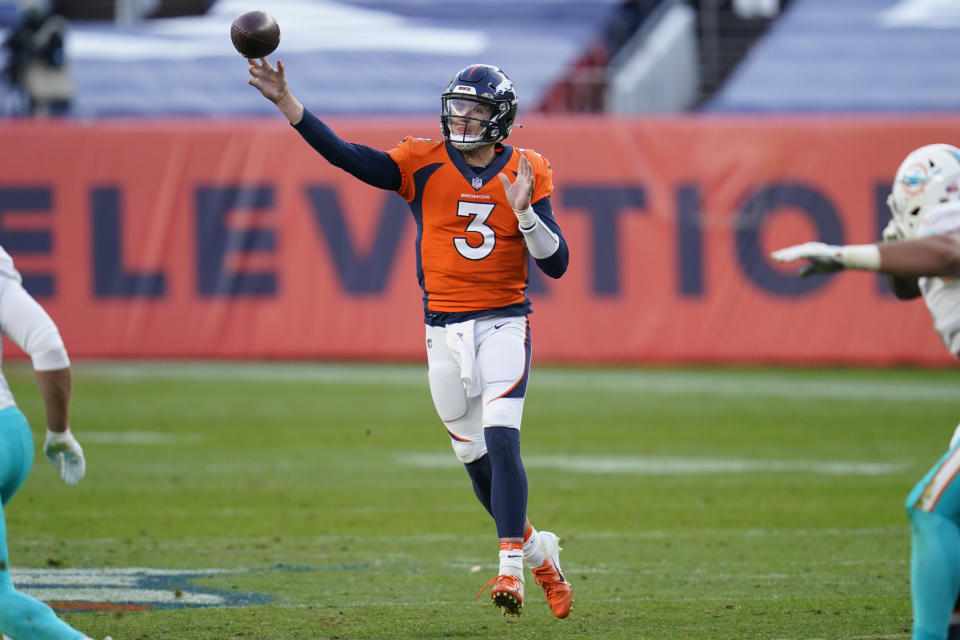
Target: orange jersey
471 255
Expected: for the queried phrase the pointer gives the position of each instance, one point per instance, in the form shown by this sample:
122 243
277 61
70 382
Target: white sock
532 551
511 560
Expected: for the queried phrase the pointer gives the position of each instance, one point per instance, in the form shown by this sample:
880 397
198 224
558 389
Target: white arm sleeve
541 241
25 322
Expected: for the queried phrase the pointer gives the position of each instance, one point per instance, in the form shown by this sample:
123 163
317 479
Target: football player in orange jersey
475 229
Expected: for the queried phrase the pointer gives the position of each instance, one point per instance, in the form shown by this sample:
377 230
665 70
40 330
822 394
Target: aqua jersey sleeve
370 165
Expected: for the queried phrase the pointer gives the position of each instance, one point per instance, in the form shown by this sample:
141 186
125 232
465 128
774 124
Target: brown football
255 34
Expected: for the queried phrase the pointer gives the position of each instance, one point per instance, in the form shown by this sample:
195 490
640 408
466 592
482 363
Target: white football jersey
25 322
7 270
6 266
942 295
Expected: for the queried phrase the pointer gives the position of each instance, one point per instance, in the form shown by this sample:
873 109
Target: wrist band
527 218
860 256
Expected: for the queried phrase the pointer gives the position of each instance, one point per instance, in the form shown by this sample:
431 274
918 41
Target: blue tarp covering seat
354 57
850 55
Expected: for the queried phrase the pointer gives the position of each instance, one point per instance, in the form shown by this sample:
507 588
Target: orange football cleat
507 594
549 576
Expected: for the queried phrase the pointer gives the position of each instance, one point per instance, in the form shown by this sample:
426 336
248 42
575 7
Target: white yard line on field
378 540
673 465
113 576
722 382
138 437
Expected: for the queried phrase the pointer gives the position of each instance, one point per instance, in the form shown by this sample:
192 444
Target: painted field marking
672 465
139 437
472 538
722 383
127 589
143 588
116 577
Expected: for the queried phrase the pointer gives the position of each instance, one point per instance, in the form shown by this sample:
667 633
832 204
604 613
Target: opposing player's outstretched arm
272 83
922 257
929 256
903 288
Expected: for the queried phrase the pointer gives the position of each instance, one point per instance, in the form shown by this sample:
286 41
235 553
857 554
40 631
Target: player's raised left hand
823 258
520 191
66 455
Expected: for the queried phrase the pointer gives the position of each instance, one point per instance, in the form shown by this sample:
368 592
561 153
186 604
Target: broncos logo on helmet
478 107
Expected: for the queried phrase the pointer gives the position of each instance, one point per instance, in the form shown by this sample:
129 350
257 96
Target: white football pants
478 373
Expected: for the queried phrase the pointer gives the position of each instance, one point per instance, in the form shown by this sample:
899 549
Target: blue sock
508 486
481 475
934 573
20 615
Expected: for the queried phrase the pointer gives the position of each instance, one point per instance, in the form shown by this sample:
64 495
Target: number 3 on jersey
479 212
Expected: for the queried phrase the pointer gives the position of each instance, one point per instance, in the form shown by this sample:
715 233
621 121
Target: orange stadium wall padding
234 239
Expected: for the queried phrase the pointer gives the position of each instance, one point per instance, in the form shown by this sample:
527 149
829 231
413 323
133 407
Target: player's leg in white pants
484 429
503 359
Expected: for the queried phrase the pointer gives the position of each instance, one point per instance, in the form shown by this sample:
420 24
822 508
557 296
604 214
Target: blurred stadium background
161 207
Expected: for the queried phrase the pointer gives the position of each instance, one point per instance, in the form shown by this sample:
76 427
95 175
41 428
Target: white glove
823 258
66 455
892 231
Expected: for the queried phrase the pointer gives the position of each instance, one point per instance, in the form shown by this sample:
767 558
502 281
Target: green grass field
324 501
